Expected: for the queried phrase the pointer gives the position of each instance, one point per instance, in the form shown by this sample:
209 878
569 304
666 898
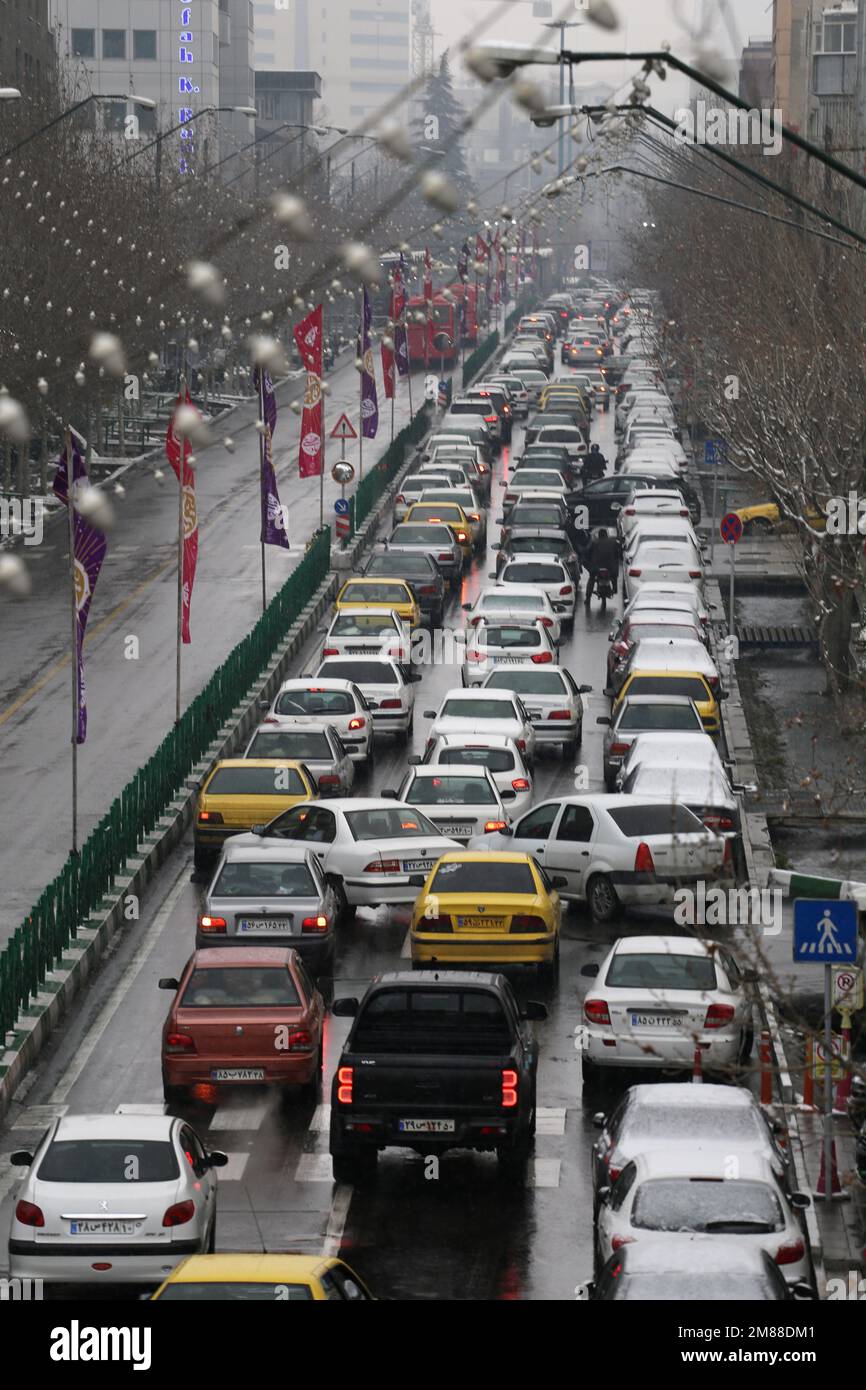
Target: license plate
654 1020
103 1228
426 1126
509 660
237 1074
481 923
534 713
453 829
413 866
268 924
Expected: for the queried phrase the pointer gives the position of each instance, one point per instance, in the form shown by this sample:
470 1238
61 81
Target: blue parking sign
825 931
715 451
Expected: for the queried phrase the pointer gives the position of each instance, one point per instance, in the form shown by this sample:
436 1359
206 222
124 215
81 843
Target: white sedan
613 850
498 753
520 642
460 801
386 687
517 601
494 712
361 631
367 845
552 698
545 572
305 702
661 597
660 1196
657 998
661 562
113 1199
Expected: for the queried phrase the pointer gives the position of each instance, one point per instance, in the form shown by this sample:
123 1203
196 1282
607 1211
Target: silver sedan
318 746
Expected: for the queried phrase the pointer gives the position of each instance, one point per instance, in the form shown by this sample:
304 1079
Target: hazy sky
644 24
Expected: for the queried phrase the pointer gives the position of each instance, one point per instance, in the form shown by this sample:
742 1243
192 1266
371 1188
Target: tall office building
26 44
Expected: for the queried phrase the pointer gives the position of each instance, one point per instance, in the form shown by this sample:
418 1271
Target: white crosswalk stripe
550 1119
234 1169
229 1117
543 1172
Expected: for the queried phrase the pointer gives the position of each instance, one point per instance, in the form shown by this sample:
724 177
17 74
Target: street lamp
205 111
267 135
9 94
562 25
146 102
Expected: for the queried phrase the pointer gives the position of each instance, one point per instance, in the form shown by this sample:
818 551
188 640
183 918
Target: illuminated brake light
643 860
382 866
462 536
318 923
446 556
596 1011
357 723
541 658
345 1084
179 1042
491 825
509 1090
520 784
212 924
210 818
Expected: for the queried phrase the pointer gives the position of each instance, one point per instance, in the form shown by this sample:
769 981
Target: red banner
388 371
190 518
482 250
308 336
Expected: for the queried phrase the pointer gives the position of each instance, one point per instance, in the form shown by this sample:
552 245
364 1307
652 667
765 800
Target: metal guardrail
476 360
64 906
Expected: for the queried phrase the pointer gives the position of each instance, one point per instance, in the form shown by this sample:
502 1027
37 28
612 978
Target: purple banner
88 554
398 309
369 402
274 529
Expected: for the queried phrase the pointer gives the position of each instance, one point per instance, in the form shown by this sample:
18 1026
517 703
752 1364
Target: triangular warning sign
343 429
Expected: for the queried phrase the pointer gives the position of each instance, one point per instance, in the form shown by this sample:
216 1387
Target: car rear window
691 1122
297 744
450 790
670 685
109 1161
740 1286
470 876
535 478
720 1205
427 534
655 818
477 708
536 516
660 970
256 781
442 1022
499 603
363 672
375 593
499 635
264 879
363 624
442 511
236 1292
531 572
389 823
497 759
315 702
663 718
413 566
528 682
543 545
240 987
638 632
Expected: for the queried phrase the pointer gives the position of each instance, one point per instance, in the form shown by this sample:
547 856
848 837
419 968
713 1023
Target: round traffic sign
731 528
341 506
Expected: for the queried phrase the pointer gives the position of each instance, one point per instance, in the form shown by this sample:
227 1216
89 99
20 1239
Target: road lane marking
543 1172
321 1119
314 1167
86 1047
406 948
227 1117
550 1119
337 1218
234 1169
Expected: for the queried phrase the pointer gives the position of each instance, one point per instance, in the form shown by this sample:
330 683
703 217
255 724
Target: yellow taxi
690 683
378 593
485 908
240 1278
452 514
239 793
767 516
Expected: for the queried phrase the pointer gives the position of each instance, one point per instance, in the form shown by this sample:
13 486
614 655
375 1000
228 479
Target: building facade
26 43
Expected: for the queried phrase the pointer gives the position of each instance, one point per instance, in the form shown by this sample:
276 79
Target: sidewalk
842 1221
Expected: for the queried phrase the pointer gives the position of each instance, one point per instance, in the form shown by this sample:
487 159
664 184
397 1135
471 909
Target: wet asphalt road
462 1235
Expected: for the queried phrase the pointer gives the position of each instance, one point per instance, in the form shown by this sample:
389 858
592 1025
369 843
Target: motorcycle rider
603 555
594 464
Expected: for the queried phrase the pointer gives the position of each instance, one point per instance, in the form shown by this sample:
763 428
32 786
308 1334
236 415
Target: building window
144 43
369 63
84 43
839 34
398 40
265 33
114 43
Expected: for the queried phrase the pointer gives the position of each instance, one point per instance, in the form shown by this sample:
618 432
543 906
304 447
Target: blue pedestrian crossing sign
715 451
825 931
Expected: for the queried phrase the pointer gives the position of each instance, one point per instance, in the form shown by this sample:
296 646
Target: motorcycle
604 587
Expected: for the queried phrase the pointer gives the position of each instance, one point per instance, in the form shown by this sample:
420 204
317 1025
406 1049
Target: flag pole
70 507
361 390
262 446
180 472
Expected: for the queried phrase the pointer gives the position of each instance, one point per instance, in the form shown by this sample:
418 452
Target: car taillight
717 822
635 574
790 1252
560 714
613 1173
490 419
345 1083
446 556
399 497
389 704
318 923
728 860
473 516
29 1215
210 818
643 860
270 721
357 723
475 621
567 589
684 511
382 866
541 658
328 779
330 651
521 744
509 1089
630 511
619 748
212 924
491 825
547 622
524 921
462 536
712 682
179 1214
718 1015
300 1040
520 784
473 655
179 1042
596 1011
695 574
617 1242
427 589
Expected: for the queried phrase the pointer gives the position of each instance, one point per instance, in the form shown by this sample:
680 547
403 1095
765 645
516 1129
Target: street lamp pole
94 96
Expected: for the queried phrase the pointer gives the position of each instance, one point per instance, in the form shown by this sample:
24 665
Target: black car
435 1061
420 572
606 497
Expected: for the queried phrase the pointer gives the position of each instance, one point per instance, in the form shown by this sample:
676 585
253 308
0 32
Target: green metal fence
37 946
371 487
523 306
476 361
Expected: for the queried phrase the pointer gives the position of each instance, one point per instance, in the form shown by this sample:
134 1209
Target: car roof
674 1093
447 979
280 731
381 610
325 682
478 741
218 957
684 781
687 1252
657 700
131 1126
476 770
257 762
248 1268
483 856
662 945
286 852
661 617
469 693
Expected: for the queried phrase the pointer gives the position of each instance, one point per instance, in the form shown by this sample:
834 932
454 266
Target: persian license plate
481 923
534 713
426 1126
238 1074
452 828
265 924
103 1228
415 866
654 1020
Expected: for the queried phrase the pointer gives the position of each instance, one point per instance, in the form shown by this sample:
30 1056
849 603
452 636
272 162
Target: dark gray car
434 540
420 571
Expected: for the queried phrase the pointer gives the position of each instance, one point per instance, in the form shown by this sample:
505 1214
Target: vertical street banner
502 287
497 274
388 361
463 262
308 336
88 554
273 519
428 302
398 309
369 400
173 448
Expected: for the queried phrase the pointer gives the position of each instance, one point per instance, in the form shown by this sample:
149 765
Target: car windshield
470 876
450 791
256 781
264 879
721 1205
532 572
500 635
240 987
109 1161
476 707
663 718
655 818
236 1292
692 686
457 1022
497 759
363 624
389 823
298 744
375 593
660 970
315 701
364 672
528 682
427 534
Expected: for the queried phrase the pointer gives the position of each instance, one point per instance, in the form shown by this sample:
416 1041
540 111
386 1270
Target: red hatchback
240 1018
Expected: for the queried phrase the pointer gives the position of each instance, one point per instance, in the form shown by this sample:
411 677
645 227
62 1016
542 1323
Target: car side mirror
751 977
258 829
21 1158
609 692
585 689
585 1291
506 830
800 1201
500 521
168 982
389 792
217 1159
467 607
264 704
599 1119
429 714
533 1011
416 880
559 881
604 1195
722 694
602 719
346 1007
591 970
496 546
491 574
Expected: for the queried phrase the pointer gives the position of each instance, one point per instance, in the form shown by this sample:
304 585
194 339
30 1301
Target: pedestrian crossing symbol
825 932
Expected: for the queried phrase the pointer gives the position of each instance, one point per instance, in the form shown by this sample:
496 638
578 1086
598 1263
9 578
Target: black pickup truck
435 1061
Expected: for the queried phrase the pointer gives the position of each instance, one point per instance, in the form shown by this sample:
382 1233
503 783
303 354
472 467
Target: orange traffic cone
697 1065
766 1068
835 1184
